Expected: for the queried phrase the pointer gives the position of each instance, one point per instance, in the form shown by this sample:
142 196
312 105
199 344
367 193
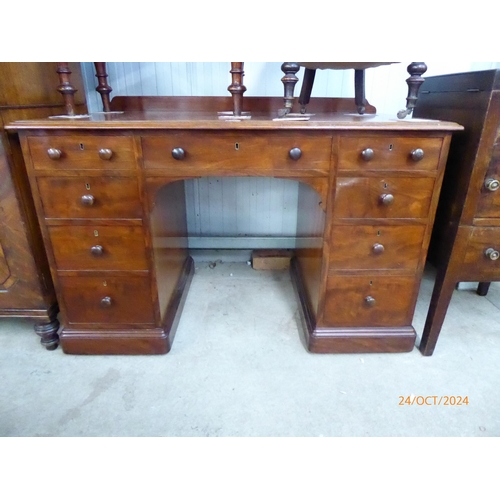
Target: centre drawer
107 300
376 247
377 152
98 247
244 153
90 197
368 301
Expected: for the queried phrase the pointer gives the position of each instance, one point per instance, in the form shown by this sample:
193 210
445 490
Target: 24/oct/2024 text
433 400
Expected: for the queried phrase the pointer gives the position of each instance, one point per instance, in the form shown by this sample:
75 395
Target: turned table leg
237 88
103 88
289 81
65 88
416 70
48 331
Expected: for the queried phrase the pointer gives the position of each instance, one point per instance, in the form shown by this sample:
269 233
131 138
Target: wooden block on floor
271 259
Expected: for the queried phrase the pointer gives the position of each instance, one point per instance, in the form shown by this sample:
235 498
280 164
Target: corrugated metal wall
250 212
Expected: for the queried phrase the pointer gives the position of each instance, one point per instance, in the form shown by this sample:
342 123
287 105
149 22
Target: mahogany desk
109 195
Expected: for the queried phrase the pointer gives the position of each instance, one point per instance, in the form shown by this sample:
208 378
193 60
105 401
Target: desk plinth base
132 341
151 341
347 340
360 340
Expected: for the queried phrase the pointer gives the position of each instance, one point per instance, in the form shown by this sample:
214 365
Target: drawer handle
492 254
386 199
106 302
54 154
105 154
491 184
367 154
417 154
370 301
87 200
178 153
377 249
97 250
295 153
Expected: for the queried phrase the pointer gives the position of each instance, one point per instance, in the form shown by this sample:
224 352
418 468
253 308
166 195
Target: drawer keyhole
87 186
390 147
82 147
237 146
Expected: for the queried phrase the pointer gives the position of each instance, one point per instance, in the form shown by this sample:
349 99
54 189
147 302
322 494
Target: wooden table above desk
109 194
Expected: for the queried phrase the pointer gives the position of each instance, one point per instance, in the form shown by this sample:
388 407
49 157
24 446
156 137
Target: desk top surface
180 116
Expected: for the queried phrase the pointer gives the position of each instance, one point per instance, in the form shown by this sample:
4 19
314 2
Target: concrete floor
238 368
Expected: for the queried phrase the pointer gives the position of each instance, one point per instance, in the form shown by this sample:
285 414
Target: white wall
265 208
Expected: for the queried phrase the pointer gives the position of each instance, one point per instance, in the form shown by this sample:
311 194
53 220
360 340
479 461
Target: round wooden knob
377 249
178 153
106 302
370 301
97 250
386 199
417 154
54 154
367 154
105 154
295 153
87 200
491 184
492 254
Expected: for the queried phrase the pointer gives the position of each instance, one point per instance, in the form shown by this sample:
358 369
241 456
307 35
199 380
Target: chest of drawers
465 244
110 199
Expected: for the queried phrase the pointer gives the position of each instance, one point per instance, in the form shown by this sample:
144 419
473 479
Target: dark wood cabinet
27 91
465 244
368 191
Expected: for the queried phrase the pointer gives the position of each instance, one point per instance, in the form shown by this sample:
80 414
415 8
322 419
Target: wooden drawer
388 153
98 247
387 197
107 300
233 153
489 201
478 256
113 197
349 301
86 152
376 247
